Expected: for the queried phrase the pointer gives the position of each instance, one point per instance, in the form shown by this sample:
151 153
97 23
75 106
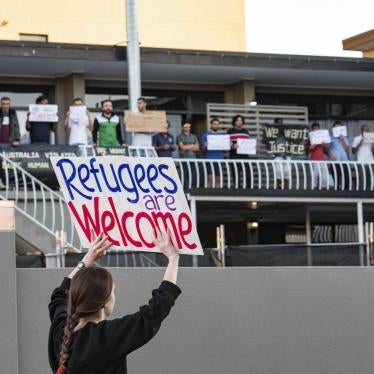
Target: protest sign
218 142
339 131
127 199
246 147
78 114
43 113
150 121
368 137
286 140
319 137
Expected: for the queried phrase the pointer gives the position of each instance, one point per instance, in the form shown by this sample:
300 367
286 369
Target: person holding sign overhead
107 127
339 151
81 340
77 122
40 131
213 154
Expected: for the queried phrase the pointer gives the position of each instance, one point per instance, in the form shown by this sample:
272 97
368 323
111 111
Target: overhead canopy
50 60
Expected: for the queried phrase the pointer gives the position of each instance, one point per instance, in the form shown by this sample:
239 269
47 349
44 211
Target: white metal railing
36 201
291 175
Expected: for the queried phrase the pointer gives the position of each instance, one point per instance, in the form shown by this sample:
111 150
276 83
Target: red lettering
137 223
187 231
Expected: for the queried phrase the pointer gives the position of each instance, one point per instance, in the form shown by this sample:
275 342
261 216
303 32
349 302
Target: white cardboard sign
218 142
339 131
246 146
127 198
78 113
368 137
319 137
43 113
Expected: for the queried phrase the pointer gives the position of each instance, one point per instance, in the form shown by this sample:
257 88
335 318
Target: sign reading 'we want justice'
127 199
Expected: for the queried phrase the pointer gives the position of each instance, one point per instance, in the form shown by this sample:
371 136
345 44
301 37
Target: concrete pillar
242 92
66 89
8 304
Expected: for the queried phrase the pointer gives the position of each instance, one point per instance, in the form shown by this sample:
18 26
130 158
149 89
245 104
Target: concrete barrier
236 320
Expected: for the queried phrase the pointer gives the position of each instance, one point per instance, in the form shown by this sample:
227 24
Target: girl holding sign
80 339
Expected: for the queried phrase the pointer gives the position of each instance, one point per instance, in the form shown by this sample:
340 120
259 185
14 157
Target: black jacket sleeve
132 331
119 132
95 131
14 132
57 314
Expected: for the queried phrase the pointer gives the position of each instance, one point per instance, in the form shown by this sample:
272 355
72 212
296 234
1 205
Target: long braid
71 323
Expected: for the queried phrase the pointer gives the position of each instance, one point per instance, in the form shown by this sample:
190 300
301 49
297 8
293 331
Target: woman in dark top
81 340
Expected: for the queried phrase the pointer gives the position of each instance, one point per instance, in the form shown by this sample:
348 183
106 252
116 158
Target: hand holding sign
98 248
162 240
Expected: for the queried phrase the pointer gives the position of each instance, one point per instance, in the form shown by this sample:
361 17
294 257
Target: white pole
133 54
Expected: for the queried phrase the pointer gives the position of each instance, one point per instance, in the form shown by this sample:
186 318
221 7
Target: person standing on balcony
40 132
188 146
364 153
213 173
107 127
236 132
339 151
318 152
142 139
9 125
77 126
81 339
163 143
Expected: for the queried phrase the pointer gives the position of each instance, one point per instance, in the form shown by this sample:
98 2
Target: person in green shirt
107 127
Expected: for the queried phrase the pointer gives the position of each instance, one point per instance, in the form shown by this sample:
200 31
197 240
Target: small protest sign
150 121
368 137
247 146
127 199
218 142
319 137
339 131
43 113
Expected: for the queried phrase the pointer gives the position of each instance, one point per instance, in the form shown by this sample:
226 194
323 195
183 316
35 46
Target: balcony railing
291 175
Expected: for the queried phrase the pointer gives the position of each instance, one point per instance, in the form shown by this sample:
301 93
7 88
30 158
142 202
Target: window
33 38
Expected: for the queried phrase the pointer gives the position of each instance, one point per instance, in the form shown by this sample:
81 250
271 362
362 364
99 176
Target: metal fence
291 175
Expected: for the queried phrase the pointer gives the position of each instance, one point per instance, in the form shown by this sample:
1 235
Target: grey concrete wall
238 320
8 304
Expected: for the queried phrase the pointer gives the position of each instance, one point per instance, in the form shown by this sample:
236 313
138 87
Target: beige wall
185 24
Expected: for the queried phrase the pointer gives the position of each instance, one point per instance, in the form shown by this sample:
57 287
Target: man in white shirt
141 139
363 150
78 124
364 153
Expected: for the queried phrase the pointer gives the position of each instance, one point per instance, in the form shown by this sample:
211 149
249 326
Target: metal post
308 234
361 232
194 222
133 55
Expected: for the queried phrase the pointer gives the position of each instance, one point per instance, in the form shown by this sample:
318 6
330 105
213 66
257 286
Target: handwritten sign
78 113
339 131
127 199
319 137
368 137
247 146
150 121
43 113
218 142
286 140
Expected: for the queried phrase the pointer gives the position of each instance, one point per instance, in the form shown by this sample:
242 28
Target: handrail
27 193
286 175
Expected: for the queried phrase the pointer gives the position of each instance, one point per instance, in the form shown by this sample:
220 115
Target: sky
306 27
